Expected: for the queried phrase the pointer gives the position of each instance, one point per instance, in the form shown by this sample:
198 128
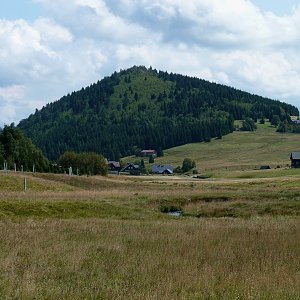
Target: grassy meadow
70 237
236 151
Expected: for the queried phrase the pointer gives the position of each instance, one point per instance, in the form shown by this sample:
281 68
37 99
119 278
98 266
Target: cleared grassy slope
236 151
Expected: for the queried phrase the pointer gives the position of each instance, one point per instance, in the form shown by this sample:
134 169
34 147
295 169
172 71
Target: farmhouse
162 169
113 166
130 168
148 153
295 159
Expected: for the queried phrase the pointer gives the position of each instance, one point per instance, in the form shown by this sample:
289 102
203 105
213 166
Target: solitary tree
143 167
248 125
160 152
275 120
188 164
283 127
151 159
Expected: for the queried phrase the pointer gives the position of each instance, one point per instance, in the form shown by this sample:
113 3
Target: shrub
178 169
151 159
248 125
188 164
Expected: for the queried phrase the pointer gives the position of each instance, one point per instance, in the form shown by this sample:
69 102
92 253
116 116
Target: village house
148 153
162 169
295 159
130 168
113 166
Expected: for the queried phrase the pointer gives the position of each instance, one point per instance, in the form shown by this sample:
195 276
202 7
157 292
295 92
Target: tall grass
106 238
109 259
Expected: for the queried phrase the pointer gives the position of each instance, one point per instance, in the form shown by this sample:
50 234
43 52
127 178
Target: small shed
295 159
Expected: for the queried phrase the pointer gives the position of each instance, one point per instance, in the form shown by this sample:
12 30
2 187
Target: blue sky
16 9
50 48
279 7
30 10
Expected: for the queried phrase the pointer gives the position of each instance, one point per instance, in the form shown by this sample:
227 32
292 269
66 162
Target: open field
236 151
107 238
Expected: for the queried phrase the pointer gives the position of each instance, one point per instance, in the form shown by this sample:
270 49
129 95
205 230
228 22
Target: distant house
296 121
131 168
295 159
114 166
148 153
162 169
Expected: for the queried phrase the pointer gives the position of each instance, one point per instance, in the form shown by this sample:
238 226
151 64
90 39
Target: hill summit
144 108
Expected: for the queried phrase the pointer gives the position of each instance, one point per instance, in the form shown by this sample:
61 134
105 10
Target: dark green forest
144 108
17 149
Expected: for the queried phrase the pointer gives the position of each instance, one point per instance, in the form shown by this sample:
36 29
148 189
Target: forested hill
144 108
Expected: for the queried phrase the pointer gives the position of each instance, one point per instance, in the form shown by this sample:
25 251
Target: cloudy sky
49 48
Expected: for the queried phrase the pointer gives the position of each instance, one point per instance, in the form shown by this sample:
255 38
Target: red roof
148 151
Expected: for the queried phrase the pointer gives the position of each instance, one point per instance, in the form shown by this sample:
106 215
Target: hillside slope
143 108
239 150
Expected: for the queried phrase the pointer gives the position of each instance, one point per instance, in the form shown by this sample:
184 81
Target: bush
160 152
151 159
188 164
178 170
283 127
275 120
248 125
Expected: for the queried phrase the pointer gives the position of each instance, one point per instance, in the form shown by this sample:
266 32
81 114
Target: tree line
16 149
83 163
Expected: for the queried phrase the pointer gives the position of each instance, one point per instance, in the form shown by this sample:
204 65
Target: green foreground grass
107 238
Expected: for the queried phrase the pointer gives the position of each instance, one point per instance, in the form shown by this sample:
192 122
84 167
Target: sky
51 48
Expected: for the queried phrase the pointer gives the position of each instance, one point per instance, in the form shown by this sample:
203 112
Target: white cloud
52 34
11 93
9 97
77 42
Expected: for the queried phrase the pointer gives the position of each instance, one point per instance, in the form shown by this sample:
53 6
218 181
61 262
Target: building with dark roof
295 159
162 169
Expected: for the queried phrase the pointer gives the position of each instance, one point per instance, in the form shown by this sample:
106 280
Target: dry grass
109 259
105 238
